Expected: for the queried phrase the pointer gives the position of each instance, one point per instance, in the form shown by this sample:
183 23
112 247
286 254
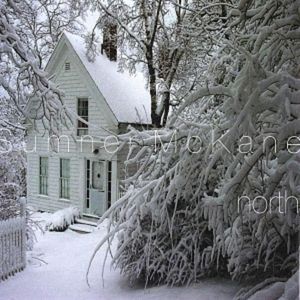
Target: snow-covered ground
57 266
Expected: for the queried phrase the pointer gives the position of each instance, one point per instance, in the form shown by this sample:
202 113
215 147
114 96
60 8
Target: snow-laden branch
225 198
30 82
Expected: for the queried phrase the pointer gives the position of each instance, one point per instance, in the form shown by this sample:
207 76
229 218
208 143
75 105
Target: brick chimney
109 45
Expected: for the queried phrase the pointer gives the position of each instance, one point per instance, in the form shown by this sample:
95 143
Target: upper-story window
83 113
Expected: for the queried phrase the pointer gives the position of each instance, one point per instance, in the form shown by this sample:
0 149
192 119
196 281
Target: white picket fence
12 246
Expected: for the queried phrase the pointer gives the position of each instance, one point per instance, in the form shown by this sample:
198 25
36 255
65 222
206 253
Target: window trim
62 195
46 176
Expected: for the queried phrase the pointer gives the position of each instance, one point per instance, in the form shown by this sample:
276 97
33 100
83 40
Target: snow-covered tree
218 188
45 21
29 31
164 38
12 161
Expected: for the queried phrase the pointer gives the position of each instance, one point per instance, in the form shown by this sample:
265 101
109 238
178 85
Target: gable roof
126 95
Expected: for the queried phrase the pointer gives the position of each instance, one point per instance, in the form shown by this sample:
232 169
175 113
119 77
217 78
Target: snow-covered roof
125 94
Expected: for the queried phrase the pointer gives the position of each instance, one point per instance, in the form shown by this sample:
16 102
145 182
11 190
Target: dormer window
83 113
67 66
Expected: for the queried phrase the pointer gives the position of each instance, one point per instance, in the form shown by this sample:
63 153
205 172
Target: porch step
86 222
90 218
82 228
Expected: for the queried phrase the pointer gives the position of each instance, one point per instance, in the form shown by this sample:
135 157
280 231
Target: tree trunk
153 94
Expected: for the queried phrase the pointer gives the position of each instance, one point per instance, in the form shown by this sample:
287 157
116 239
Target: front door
96 187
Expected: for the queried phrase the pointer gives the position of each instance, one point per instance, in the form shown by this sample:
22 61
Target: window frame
43 176
82 128
64 179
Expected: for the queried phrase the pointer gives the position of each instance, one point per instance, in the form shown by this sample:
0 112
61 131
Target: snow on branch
22 77
222 195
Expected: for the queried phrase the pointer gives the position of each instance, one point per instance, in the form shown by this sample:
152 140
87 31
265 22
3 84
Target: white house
81 172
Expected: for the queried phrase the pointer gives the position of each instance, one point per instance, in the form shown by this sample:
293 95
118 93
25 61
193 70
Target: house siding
51 202
75 84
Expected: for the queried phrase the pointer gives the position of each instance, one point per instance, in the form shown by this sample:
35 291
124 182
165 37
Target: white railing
12 246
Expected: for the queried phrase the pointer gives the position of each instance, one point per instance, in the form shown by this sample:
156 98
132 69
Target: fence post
23 232
13 243
12 246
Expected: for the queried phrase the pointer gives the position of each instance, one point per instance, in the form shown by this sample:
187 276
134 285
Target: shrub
61 219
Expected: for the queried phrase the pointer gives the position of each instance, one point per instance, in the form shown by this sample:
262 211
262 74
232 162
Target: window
83 113
97 175
43 176
67 66
64 178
